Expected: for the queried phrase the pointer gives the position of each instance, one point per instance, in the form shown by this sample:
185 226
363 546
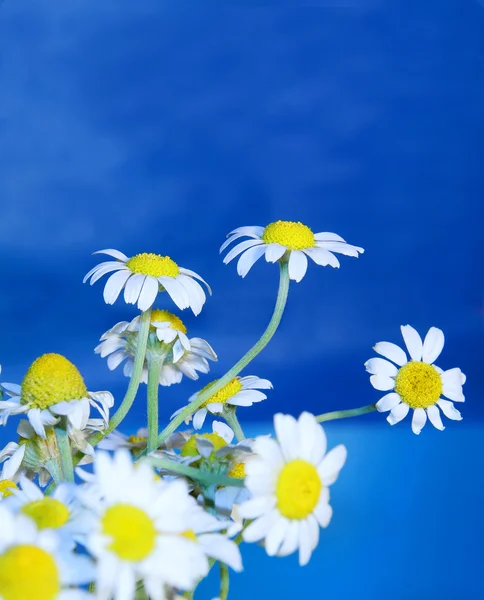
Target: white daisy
215 445
137 527
144 275
182 356
38 564
418 383
293 241
289 481
240 391
138 441
53 387
60 510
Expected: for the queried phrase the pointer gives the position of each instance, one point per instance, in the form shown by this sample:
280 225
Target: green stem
192 473
139 359
224 581
65 452
154 370
241 364
231 418
344 414
55 471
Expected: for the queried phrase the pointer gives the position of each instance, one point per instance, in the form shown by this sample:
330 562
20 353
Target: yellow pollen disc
298 489
28 573
294 236
418 384
190 446
238 471
132 531
5 486
153 264
137 439
228 391
52 379
160 316
190 535
47 513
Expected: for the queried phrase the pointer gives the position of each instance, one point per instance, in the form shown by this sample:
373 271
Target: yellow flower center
190 446
153 264
160 316
238 471
190 535
47 513
132 531
137 439
298 489
294 236
5 486
27 572
52 379
228 391
418 384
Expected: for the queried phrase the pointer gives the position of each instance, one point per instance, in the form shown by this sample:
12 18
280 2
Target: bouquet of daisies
89 512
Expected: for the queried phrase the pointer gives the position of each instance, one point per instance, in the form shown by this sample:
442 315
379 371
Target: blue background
160 126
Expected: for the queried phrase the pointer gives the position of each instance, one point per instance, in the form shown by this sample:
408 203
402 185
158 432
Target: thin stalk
344 414
154 370
139 359
193 473
224 581
241 364
65 452
231 418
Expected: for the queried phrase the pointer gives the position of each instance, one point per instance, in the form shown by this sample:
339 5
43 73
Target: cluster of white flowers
89 512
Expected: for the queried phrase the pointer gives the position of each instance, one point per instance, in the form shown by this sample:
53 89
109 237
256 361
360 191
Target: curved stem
344 414
139 359
193 473
231 418
242 363
224 581
154 370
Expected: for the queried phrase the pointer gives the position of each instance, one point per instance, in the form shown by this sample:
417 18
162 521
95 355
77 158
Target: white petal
332 464
35 418
323 513
274 252
434 417
114 253
398 413
199 418
433 344
383 383
133 288
176 291
326 236
392 352
413 342
276 536
249 231
100 271
341 248
380 366
148 293
236 250
419 419
322 257
248 259
298 265
452 384
114 285
304 543
388 402
449 410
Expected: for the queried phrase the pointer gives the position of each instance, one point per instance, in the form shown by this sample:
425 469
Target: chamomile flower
416 383
293 241
117 441
143 276
38 564
167 336
289 480
51 388
240 391
60 510
136 530
215 445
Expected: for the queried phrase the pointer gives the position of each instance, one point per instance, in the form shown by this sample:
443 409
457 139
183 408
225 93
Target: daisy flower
240 391
182 356
136 531
59 511
293 241
213 446
37 564
416 383
53 387
117 440
144 275
289 480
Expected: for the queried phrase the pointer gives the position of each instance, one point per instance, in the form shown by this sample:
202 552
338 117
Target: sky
159 127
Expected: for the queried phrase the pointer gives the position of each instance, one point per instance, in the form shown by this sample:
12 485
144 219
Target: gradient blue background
160 126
